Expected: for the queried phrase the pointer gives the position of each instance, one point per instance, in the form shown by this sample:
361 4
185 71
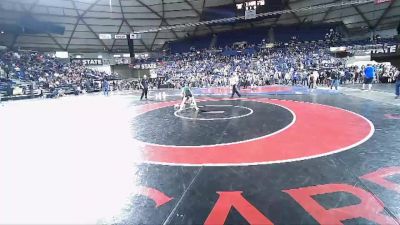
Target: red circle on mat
319 130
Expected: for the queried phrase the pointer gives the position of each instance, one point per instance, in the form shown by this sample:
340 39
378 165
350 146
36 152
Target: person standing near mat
310 79
335 79
106 87
397 85
234 82
144 84
369 76
187 96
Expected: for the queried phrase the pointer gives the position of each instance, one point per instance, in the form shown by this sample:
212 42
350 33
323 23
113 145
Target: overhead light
2 32
78 56
100 56
126 55
117 56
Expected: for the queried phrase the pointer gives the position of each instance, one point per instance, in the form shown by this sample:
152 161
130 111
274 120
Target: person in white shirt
287 78
234 82
315 77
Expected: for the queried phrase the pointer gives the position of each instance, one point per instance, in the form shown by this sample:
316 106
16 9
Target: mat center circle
215 112
216 123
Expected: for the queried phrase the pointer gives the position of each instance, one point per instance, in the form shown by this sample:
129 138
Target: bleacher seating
251 36
184 45
305 32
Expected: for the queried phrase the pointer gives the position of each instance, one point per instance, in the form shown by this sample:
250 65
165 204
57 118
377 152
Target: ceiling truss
85 20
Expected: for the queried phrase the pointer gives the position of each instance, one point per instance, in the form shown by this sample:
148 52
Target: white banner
338 49
62 55
120 36
250 14
153 74
145 66
135 36
105 36
88 62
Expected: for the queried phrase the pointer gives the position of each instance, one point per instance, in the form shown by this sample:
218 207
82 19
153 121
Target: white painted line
220 105
176 113
232 143
214 112
372 131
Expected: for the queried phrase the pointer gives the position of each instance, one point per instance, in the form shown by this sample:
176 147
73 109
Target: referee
234 82
144 84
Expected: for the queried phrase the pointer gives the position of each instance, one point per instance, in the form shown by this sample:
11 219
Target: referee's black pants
144 93
234 90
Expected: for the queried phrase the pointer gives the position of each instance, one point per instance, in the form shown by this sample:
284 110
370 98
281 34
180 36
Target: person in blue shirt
369 76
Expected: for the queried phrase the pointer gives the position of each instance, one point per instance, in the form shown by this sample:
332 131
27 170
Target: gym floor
278 155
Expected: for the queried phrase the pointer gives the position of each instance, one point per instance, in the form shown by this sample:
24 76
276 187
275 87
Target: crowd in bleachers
37 70
295 63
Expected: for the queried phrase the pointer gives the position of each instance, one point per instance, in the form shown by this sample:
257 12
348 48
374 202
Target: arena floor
278 155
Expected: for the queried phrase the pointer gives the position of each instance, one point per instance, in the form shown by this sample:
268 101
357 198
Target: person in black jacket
144 84
335 79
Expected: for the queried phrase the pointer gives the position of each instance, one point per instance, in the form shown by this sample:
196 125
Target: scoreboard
251 8
250 5
237 9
